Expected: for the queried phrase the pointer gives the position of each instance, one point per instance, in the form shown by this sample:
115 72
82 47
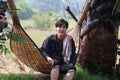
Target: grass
21 77
80 75
38 36
85 75
27 23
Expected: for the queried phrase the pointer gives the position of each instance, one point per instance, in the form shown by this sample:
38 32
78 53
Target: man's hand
50 60
71 64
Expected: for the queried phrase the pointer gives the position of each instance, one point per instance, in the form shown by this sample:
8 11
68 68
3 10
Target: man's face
61 30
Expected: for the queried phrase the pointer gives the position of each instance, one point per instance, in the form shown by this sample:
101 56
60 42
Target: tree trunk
98 46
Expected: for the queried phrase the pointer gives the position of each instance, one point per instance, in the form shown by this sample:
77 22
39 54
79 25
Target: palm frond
116 7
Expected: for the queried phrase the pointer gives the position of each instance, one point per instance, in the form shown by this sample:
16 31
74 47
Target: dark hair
61 22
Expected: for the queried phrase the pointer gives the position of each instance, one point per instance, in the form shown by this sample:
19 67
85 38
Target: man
59 49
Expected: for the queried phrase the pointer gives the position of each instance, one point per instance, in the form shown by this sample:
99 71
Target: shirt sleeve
73 55
44 47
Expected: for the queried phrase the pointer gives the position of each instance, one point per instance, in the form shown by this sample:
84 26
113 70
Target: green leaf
16 37
116 7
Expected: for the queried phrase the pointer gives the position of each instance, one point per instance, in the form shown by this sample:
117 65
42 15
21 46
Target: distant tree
25 11
57 6
47 5
44 21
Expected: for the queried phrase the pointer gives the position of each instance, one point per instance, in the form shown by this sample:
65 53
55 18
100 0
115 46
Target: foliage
57 6
47 5
19 77
3 26
44 21
5 37
4 49
5 31
25 11
117 6
15 37
83 74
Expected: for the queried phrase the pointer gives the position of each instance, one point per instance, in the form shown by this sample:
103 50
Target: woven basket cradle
28 53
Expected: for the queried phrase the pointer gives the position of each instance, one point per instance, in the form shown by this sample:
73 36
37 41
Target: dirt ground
8 65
